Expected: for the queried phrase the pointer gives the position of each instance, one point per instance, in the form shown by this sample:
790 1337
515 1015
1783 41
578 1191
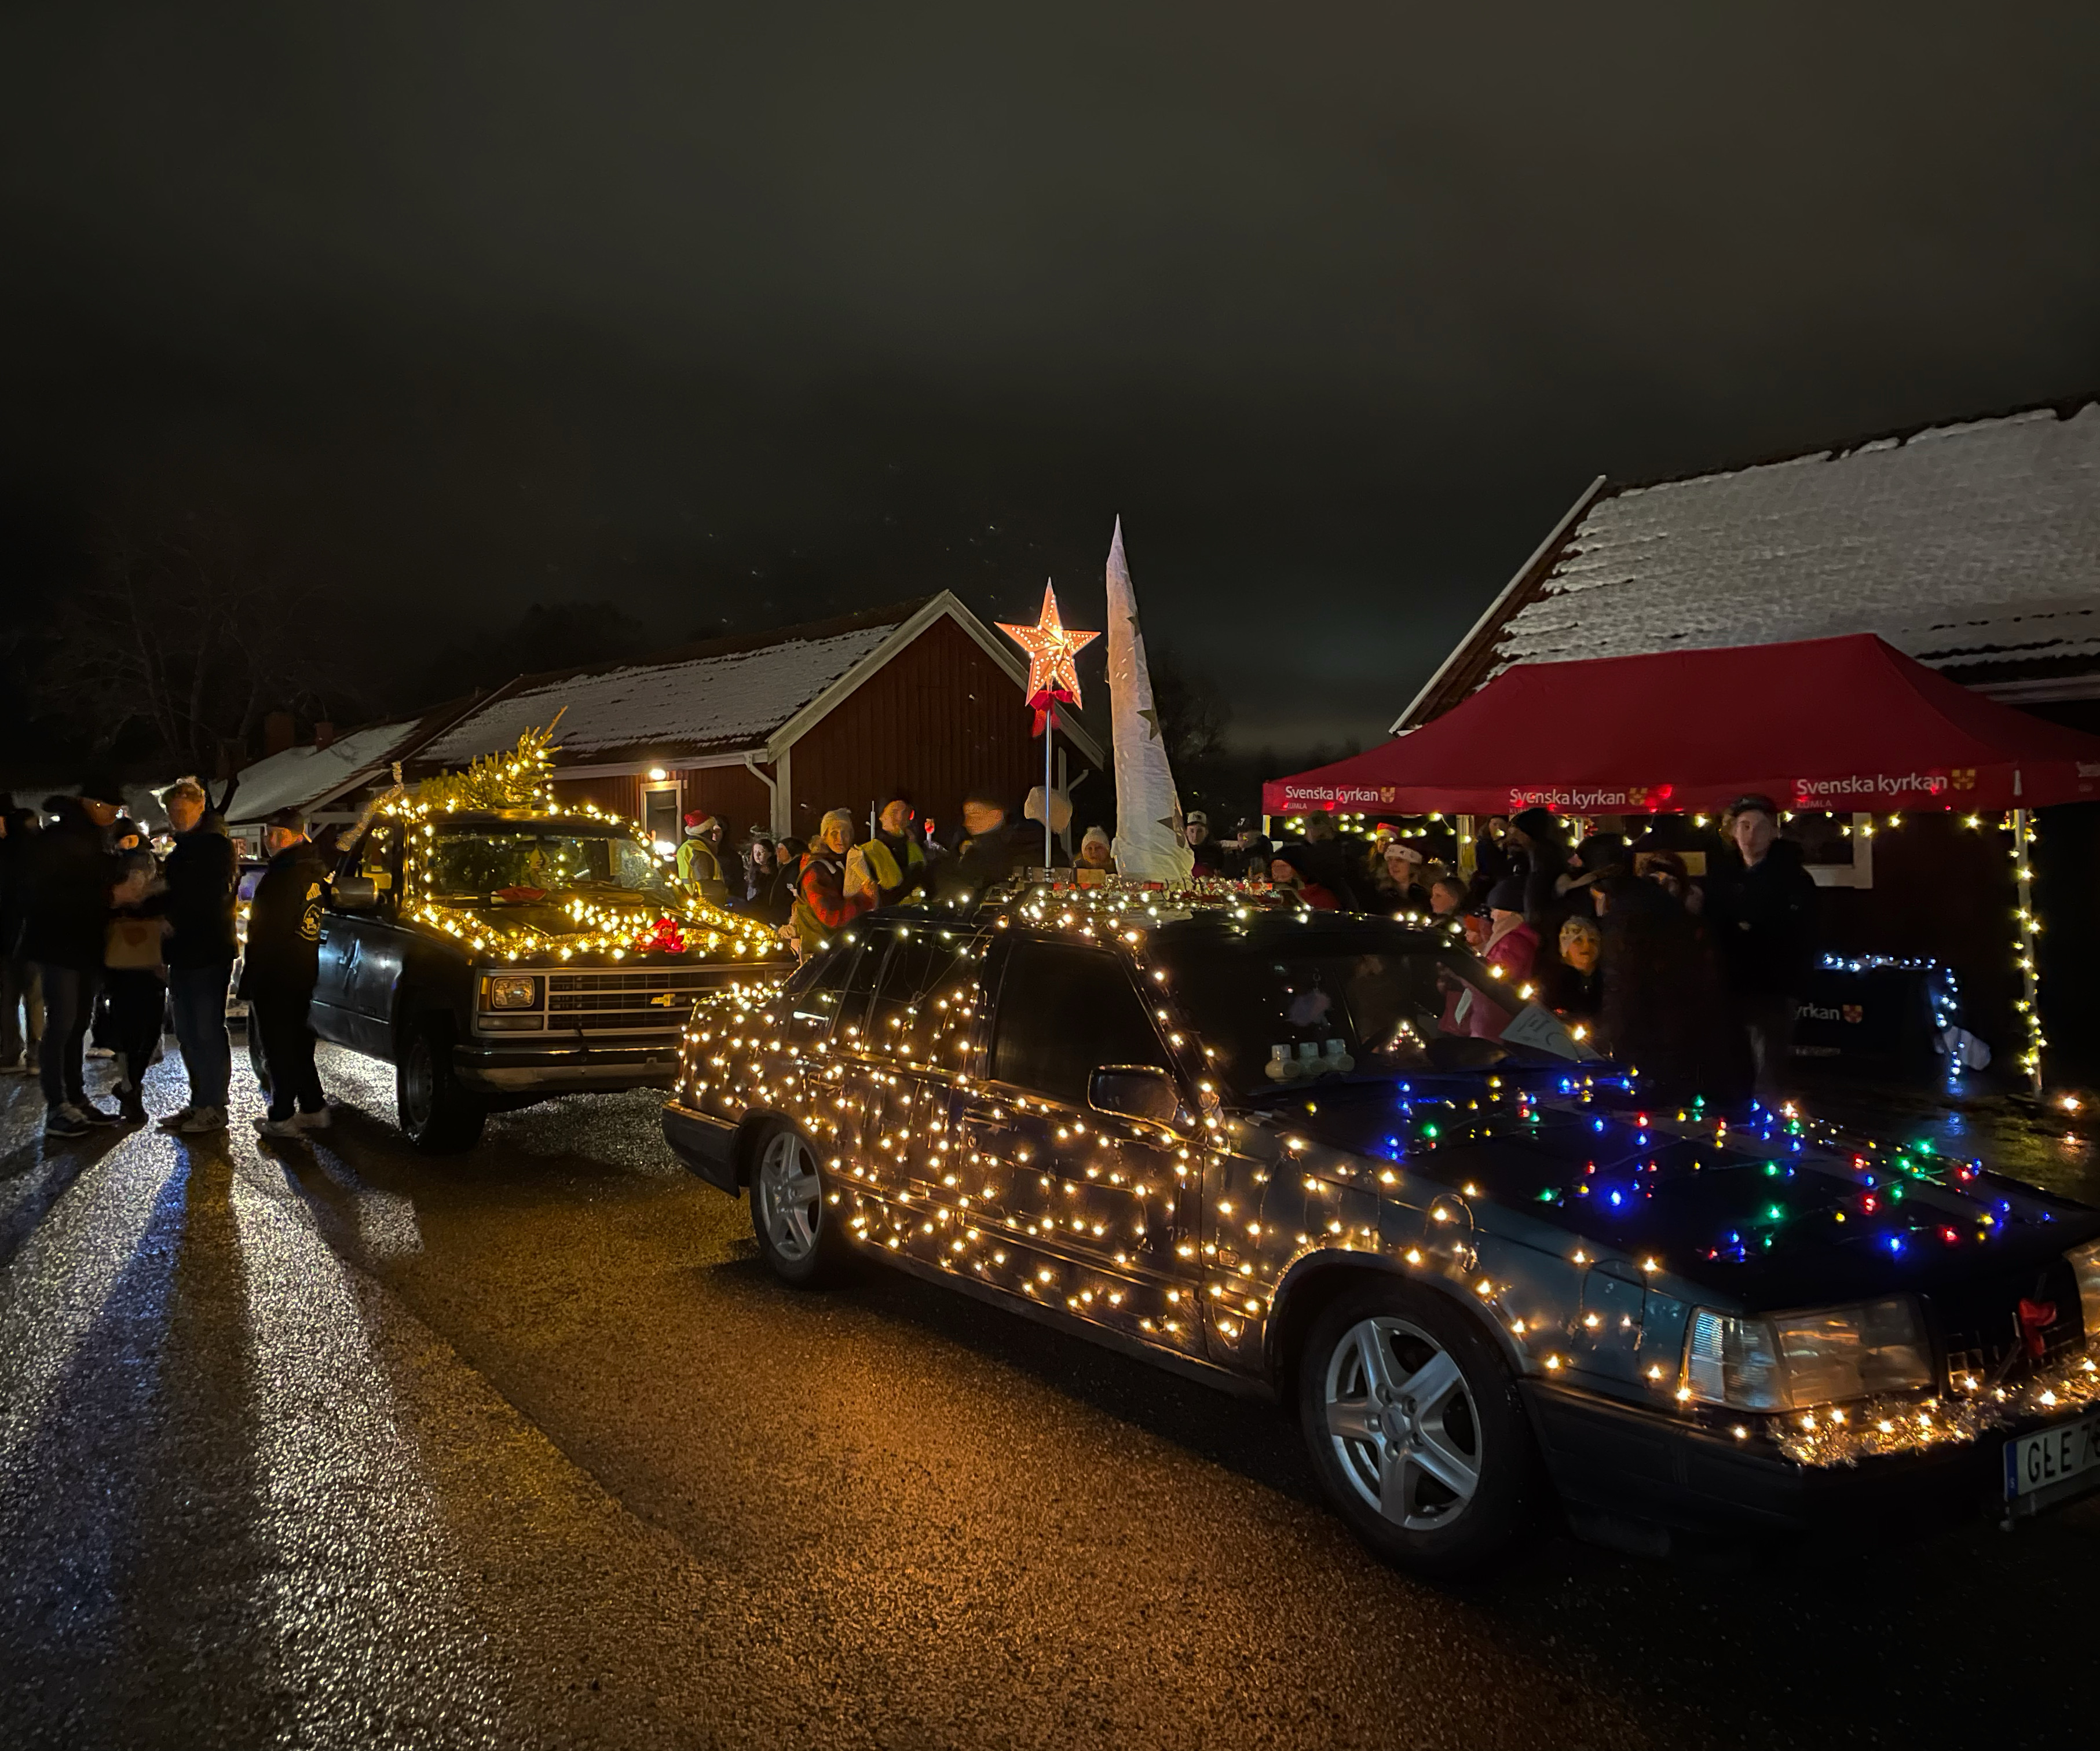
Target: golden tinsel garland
521 778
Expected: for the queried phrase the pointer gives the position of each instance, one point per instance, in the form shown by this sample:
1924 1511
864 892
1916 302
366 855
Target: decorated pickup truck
498 949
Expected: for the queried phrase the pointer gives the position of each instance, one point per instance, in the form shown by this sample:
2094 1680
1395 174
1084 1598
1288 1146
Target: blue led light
1895 1243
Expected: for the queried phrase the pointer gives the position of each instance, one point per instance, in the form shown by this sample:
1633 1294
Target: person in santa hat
700 857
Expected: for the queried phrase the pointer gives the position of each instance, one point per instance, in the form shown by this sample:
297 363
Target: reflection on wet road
340 1446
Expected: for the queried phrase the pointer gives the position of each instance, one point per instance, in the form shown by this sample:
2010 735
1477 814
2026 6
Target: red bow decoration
2035 1318
1045 707
666 937
521 896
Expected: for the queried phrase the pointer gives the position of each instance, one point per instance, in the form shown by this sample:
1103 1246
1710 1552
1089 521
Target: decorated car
498 949
1336 1161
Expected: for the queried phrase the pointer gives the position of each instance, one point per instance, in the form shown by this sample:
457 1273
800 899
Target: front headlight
1790 1361
509 993
2084 1263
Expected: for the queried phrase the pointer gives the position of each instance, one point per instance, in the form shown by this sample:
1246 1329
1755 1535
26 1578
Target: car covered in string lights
498 949
1332 1160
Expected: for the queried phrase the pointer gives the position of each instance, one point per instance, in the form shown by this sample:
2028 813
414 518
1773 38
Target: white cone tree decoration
1148 842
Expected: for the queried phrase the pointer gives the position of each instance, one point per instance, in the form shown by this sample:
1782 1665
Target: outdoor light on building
657 775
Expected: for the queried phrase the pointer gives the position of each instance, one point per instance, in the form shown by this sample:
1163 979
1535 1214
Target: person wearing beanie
836 886
1512 943
64 934
1295 872
1096 850
700 857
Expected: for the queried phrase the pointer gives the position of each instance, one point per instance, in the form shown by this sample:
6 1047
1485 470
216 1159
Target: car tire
797 1227
1415 1430
436 1112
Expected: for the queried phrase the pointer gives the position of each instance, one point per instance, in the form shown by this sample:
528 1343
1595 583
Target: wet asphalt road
337 1446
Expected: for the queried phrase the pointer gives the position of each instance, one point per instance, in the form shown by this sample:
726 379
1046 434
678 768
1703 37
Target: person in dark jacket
1575 988
1330 862
773 879
1665 1010
1291 870
64 931
1762 914
21 999
201 874
278 972
984 856
1204 853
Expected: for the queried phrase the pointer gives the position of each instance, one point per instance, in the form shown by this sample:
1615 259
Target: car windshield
1290 1005
522 865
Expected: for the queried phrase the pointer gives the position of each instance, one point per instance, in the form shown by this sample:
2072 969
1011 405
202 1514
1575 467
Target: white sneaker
268 1126
199 1121
320 1121
176 1121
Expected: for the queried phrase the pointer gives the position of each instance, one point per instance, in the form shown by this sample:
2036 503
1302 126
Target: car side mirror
356 893
1134 1091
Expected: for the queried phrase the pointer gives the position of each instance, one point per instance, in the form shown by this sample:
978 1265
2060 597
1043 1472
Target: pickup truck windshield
523 867
1354 1001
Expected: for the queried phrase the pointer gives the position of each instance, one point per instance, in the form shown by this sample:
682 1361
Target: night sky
743 315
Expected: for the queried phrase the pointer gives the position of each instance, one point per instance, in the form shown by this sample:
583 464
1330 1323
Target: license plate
2041 1462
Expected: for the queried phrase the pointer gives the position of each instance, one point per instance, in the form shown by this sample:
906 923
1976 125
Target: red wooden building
773 728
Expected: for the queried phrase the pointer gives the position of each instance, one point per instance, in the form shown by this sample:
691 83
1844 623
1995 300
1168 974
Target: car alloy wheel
787 1197
1406 1433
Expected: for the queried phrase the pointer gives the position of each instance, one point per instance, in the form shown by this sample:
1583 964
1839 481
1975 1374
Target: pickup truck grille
648 1000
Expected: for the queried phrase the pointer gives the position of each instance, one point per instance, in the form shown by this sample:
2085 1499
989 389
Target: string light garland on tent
519 782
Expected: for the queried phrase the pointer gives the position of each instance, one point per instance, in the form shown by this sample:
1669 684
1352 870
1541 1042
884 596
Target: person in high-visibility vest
699 857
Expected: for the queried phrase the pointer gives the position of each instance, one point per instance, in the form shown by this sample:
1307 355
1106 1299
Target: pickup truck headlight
508 992
2085 1262
1791 1362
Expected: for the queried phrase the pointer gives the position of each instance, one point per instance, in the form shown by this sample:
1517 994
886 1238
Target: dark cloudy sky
752 313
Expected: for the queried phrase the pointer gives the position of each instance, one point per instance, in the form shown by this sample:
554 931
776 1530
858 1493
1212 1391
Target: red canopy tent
1848 725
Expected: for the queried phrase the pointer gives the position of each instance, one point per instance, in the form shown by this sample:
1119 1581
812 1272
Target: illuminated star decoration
1052 672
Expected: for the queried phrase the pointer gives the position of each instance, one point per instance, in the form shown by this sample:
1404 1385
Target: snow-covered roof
730 695
301 778
1974 548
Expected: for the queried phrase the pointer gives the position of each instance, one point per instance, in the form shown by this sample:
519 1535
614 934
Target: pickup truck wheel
1415 1430
798 1229
436 1114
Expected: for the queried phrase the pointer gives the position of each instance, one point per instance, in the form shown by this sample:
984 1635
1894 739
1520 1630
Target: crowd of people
809 889
106 942
1697 980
